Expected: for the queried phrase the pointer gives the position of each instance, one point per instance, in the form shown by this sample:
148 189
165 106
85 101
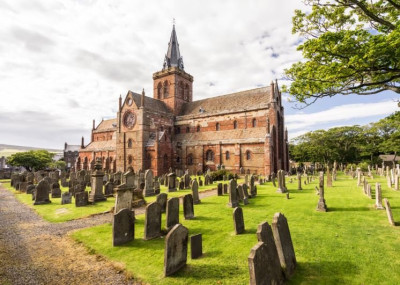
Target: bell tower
172 84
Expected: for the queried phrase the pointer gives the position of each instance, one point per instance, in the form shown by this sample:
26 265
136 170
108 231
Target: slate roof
388 157
106 125
150 103
101 146
173 57
249 99
71 147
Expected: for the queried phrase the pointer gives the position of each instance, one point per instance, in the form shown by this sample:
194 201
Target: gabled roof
149 103
106 125
101 146
244 100
173 56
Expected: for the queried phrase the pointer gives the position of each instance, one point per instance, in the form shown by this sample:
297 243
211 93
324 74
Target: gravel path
33 251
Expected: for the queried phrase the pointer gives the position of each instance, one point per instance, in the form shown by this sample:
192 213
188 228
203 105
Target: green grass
352 243
57 213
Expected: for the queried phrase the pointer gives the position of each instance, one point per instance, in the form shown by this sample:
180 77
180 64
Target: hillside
7 150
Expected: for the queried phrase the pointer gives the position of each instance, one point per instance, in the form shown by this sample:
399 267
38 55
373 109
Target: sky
65 63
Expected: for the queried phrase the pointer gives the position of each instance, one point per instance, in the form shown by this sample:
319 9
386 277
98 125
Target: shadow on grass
348 209
324 272
207 271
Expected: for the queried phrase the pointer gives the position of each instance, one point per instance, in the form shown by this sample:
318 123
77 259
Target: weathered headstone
281 182
152 221
175 254
378 197
55 191
172 215
219 189
162 200
389 212
196 246
328 178
284 244
123 227
238 221
42 193
123 199
109 189
321 207
149 183
96 195
81 199
171 182
233 199
299 181
195 192
66 198
225 186
188 208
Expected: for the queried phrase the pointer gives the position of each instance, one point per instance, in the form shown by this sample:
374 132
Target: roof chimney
83 142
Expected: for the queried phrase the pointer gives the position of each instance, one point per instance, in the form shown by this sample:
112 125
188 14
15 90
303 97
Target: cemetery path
33 251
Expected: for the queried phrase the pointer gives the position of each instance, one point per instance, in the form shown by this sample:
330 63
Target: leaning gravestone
389 212
238 221
196 246
42 193
175 254
195 192
378 197
233 199
123 227
30 189
152 221
123 199
162 200
284 244
66 198
81 199
172 216
188 208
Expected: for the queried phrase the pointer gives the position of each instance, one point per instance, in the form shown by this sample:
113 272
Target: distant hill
7 150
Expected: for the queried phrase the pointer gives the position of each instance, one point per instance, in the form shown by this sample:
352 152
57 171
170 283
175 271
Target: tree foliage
351 47
350 144
31 160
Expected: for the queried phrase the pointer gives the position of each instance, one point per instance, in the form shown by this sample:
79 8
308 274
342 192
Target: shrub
219 175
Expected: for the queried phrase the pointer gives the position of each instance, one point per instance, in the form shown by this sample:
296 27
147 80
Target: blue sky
65 63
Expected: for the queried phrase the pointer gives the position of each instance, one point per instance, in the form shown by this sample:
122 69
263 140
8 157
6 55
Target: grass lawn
55 212
350 244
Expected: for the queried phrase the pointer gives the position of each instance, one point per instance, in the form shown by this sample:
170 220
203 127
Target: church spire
173 57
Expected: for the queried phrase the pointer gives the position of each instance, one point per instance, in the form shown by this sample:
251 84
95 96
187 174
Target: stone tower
172 84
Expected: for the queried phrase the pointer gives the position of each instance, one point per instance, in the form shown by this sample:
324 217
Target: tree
351 47
31 160
60 164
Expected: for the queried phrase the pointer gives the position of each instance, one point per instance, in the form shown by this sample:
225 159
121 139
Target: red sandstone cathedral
243 131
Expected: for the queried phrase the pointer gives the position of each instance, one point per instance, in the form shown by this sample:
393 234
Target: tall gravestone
195 192
152 221
175 253
162 200
188 208
238 221
233 199
284 244
172 215
96 195
42 193
321 207
123 199
149 183
123 227
378 197
219 189
328 178
281 182
389 212
171 182
299 181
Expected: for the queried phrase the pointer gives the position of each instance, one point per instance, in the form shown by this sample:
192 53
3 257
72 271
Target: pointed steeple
173 57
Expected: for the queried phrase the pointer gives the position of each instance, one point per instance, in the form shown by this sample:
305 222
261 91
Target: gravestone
162 201
123 199
149 183
328 178
96 195
233 199
175 253
42 193
200 182
171 182
245 194
66 198
378 197
273 177
188 208
195 192
81 199
253 188
321 207
30 189
238 221
219 189
186 179
225 186
152 221
123 227
109 189
281 182
389 212
240 194
196 246
55 191
172 216
299 181
284 244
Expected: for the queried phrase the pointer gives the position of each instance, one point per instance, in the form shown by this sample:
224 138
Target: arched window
165 161
198 129
217 127
159 90
227 155
180 89
186 96
189 159
130 143
254 123
248 155
166 89
210 155
187 130
235 124
130 159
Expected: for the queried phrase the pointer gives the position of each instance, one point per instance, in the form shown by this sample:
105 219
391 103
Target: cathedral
242 131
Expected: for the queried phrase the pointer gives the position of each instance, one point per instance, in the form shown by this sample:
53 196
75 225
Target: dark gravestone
240 194
56 192
123 227
245 194
196 246
195 192
233 199
188 209
200 182
219 189
81 199
181 185
109 189
264 267
225 188
42 193
284 244
175 254
152 222
66 198
172 216
30 189
162 200
238 221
